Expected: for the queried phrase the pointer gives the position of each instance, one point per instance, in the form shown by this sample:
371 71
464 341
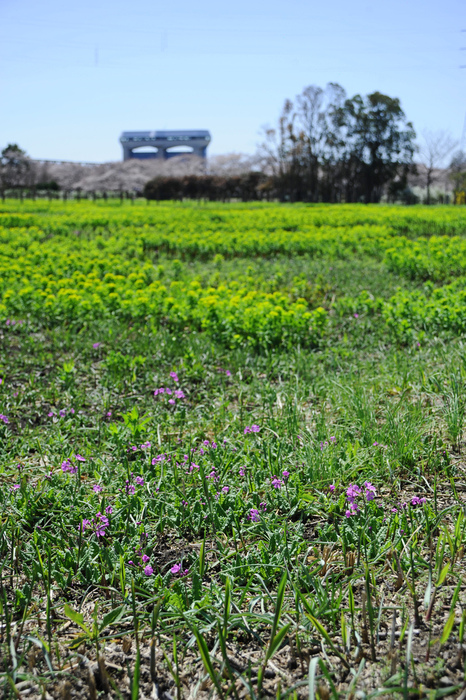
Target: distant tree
434 149
250 186
376 144
330 148
231 164
246 187
278 153
49 185
457 170
15 168
314 109
164 188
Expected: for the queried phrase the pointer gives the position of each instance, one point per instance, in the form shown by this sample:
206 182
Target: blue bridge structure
164 144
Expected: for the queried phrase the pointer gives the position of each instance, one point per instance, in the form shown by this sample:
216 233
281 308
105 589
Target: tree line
326 147
331 148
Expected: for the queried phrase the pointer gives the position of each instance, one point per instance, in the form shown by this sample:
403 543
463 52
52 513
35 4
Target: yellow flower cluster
77 262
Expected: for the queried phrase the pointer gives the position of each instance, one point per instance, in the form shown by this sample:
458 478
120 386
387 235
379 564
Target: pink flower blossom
68 466
352 492
416 501
85 524
352 510
370 491
101 524
277 483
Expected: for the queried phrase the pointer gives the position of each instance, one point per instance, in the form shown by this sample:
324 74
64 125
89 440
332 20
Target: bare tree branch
434 149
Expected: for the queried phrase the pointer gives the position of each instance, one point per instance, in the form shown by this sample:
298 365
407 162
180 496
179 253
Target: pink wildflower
370 491
352 492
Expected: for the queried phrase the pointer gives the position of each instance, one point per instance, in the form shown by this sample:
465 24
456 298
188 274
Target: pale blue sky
74 75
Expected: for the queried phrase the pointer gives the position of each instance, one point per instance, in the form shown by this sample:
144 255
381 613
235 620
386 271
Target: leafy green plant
226 433
93 632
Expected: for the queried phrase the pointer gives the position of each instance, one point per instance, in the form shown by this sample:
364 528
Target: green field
232 459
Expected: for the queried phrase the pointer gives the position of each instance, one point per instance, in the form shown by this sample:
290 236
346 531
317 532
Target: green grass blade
279 603
448 628
112 617
276 641
313 663
136 677
206 660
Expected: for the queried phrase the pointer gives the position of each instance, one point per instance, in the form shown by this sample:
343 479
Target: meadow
232 460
